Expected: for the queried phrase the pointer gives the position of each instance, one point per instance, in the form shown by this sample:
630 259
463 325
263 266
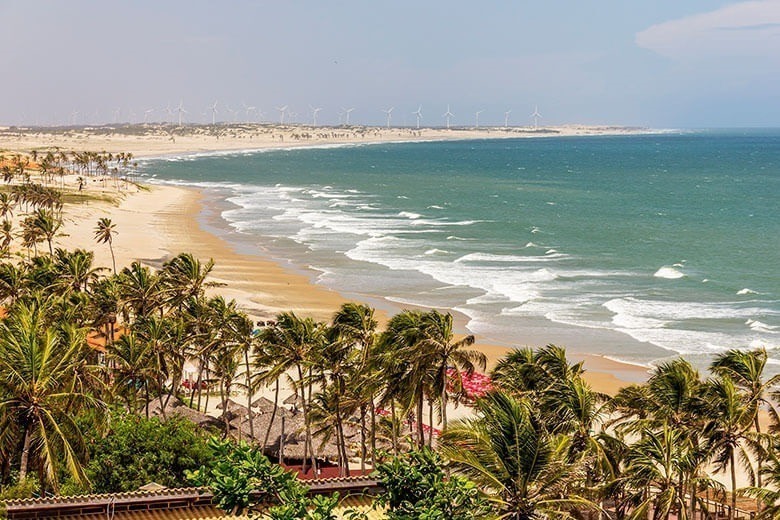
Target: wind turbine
232 112
347 111
248 110
314 112
536 115
389 113
506 118
476 117
447 116
168 110
213 109
419 115
281 110
116 114
146 114
180 110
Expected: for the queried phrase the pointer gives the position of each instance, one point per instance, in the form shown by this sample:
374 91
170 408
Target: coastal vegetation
93 371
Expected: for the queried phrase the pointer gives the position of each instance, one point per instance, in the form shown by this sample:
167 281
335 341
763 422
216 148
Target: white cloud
741 30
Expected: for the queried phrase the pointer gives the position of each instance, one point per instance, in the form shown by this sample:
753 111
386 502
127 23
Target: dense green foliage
137 451
243 480
415 487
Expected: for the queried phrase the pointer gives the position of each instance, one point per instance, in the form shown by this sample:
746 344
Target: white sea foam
669 273
488 258
761 327
746 291
409 215
435 251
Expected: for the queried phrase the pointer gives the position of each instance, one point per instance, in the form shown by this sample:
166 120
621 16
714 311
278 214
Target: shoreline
168 219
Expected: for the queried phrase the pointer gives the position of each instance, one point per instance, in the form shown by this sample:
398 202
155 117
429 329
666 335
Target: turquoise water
671 240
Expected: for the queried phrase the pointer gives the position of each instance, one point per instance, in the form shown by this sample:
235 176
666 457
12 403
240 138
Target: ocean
637 247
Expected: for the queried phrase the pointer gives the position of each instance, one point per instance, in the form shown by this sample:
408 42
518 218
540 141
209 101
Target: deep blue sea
644 246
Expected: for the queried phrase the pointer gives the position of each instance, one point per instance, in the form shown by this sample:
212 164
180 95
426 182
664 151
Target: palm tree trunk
733 510
249 395
305 418
307 422
392 424
25 453
223 398
430 422
373 432
113 259
363 438
273 415
420 433
444 402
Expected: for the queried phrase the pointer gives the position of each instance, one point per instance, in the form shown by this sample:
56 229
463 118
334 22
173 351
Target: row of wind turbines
177 114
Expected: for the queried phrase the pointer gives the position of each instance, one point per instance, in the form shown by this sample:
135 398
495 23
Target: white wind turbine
117 110
180 110
213 109
281 110
536 115
232 112
506 118
248 110
476 117
146 114
448 115
347 111
389 113
418 113
314 112
168 111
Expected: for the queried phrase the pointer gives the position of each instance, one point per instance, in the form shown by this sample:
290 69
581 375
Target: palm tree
141 289
505 450
354 324
40 381
47 225
730 416
408 370
104 234
185 276
292 340
746 370
657 466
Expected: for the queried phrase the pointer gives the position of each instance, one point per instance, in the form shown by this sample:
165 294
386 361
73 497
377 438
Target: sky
660 63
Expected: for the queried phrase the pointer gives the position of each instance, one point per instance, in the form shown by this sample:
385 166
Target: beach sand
156 224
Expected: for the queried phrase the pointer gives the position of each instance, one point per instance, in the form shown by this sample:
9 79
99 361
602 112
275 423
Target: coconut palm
291 341
105 230
450 356
40 381
657 466
141 289
75 269
47 225
505 450
729 418
185 276
408 370
746 370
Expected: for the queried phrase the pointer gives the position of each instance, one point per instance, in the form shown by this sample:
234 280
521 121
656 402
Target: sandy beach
158 222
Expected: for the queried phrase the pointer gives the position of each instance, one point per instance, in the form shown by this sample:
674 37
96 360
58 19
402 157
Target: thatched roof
176 407
293 439
263 405
294 400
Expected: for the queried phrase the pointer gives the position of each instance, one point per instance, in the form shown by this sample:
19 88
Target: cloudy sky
664 63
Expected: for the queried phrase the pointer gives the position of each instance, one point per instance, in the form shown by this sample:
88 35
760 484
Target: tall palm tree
47 225
185 276
354 324
40 371
105 230
730 417
292 340
408 370
746 370
657 466
505 450
450 356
